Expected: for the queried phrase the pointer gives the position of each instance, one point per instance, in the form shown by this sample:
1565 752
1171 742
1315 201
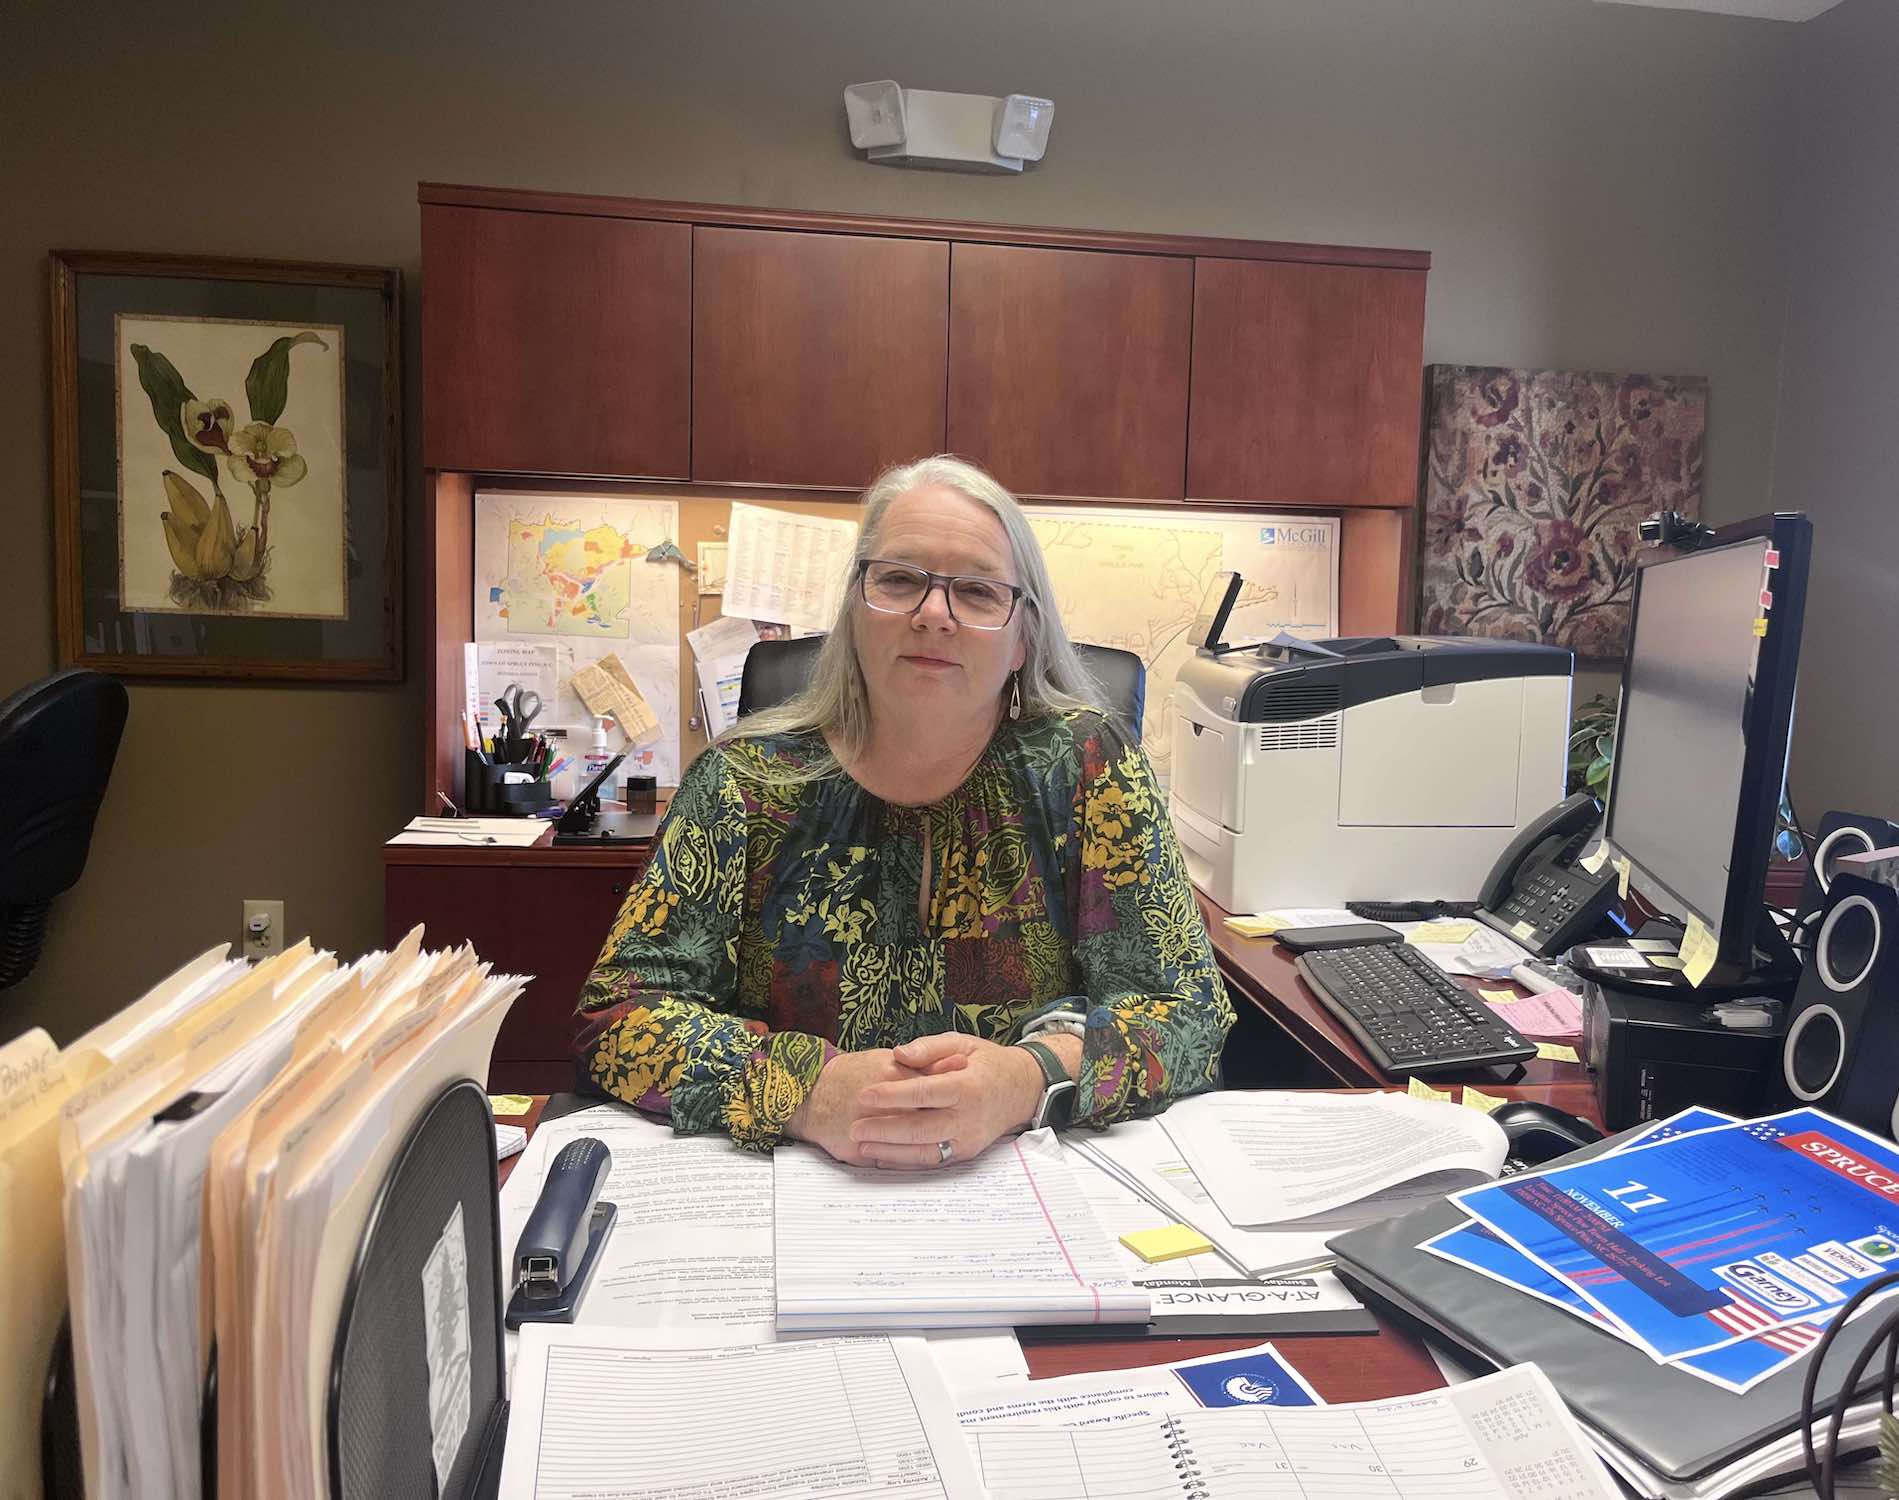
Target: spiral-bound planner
1504 1437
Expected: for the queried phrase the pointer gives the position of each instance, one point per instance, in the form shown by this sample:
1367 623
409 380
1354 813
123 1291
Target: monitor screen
1681 745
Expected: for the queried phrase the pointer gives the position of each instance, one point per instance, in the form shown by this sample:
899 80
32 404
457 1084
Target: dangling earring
1015 696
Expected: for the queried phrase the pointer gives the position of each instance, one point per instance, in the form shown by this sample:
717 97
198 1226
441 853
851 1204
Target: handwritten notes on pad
1007 1238
1504 1437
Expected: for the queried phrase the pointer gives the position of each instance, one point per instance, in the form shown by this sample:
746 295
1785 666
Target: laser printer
1363 768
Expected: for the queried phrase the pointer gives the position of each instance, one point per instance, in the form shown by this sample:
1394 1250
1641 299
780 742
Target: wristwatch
1058 1089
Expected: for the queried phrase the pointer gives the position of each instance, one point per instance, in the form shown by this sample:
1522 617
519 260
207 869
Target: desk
1260 973
1355 1367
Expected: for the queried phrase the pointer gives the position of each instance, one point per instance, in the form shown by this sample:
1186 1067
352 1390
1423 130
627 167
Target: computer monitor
1701 739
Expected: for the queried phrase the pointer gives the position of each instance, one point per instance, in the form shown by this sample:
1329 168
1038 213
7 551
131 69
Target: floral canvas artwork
232 478
1535 484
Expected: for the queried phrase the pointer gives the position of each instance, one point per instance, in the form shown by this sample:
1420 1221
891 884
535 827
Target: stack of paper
1004 1239
1718 1248
1299 1161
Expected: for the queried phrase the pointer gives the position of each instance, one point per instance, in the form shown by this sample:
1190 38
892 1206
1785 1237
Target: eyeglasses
899 589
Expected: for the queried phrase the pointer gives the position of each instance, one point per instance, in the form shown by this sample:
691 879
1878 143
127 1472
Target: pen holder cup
486 790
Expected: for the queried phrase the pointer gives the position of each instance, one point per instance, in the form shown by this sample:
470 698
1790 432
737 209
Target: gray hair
835 700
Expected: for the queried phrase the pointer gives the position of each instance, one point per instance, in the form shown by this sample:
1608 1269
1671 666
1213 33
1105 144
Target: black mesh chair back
775 670
58 740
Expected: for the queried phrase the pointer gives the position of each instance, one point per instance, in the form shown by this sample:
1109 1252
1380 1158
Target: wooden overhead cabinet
556 343
1068 368
817 358
1307 383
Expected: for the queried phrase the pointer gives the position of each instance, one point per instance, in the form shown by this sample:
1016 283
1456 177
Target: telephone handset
1538 892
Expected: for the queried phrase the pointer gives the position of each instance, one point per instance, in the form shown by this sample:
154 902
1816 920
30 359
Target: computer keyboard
1409 1015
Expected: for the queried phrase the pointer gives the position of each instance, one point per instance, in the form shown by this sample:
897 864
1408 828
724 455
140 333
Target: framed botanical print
227 463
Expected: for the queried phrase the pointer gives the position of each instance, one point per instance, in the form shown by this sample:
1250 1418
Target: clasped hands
891 1107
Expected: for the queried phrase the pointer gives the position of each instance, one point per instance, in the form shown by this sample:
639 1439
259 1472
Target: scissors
520 707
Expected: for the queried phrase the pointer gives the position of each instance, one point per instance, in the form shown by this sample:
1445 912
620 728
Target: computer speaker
1839 834
1841 1053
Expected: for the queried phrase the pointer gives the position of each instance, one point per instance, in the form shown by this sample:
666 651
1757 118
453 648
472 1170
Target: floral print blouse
779 923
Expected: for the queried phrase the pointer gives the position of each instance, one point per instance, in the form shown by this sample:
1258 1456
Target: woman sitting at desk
899 914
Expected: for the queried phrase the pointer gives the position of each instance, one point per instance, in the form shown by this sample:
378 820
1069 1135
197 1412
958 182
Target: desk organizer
484 791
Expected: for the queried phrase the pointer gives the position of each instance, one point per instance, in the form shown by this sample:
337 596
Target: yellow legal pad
1170 1243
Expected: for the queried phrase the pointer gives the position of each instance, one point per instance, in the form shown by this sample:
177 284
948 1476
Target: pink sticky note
1555 1015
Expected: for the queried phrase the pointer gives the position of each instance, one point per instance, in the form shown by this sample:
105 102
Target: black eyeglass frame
1016 592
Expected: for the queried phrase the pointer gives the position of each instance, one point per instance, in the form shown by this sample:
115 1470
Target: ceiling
1770 10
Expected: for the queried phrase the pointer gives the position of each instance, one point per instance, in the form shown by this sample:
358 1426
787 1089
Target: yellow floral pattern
779 923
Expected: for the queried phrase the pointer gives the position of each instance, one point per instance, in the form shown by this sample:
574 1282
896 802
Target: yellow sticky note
1523 931
1622 878
1441 932
1499 997
1170 1243
1553 1052
510 1104
1593 862
1698 949
1666 961
1485 1102
1760 625
1255 926
1417 1088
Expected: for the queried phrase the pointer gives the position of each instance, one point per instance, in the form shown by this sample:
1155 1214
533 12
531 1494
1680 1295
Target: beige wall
1595 182
1838 453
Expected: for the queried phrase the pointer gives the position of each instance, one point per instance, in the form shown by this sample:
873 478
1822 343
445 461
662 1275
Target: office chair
58 739
774 670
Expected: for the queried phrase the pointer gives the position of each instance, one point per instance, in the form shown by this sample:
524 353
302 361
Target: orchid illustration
220 567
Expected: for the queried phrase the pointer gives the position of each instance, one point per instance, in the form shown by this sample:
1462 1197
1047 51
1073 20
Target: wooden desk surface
1259 971
1354 1367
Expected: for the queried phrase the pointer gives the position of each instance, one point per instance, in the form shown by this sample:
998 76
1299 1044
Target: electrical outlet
263 929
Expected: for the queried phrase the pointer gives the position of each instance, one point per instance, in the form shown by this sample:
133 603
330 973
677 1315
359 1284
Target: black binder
1678 1425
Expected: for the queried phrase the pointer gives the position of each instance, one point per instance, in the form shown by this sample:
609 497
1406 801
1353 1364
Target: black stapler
560 1244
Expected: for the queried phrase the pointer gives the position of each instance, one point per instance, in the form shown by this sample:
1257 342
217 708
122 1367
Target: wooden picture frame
166 487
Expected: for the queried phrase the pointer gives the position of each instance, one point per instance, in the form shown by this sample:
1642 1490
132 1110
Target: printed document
1004 1239
1504 1437
785 567
1269 1157
594 1414
691 1251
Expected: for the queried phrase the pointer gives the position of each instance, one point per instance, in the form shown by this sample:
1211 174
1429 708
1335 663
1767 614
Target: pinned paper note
1488 1103
608 690
510 1104
1256 926
1596 859
1698 949
1440 932
1169 1243
1417 1088
1621 868
1554 1052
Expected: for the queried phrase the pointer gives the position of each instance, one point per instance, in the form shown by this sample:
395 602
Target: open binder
379 1435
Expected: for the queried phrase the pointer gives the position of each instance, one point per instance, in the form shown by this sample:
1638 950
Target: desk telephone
1538 892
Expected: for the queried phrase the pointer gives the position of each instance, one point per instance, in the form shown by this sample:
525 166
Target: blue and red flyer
1702 1240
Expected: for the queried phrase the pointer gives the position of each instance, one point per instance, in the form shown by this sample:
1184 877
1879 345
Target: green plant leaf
168 392
268 385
